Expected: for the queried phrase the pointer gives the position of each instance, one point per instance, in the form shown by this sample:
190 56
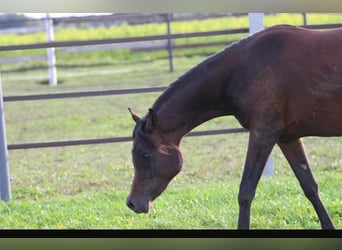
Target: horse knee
246 195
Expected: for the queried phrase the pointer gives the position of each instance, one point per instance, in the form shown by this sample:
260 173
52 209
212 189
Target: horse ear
152 121
135 117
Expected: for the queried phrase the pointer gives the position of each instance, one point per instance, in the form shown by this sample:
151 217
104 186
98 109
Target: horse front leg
294 152
259 148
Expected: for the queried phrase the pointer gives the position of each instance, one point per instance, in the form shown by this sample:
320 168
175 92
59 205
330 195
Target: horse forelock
140 134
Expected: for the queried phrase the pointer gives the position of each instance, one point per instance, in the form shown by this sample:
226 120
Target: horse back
295 75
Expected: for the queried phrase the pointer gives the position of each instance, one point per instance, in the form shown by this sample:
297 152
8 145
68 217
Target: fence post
51 57
304 19
5 188
169 41
256 23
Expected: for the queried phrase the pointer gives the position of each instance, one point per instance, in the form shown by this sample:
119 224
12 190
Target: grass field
86 186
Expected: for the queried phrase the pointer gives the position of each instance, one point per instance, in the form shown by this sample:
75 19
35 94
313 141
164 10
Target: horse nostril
130 205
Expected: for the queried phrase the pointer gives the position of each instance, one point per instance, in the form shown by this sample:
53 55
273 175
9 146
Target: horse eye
146 156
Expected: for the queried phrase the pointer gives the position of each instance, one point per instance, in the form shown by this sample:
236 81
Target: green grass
206 205
86 186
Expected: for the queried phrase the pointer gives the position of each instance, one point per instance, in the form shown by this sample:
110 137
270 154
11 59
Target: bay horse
281 84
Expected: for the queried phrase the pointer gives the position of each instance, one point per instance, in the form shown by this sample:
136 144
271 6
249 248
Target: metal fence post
5 188
169 41
305 22
256 23
51 57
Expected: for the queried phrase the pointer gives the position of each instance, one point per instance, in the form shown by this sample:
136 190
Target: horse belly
314 106
319 118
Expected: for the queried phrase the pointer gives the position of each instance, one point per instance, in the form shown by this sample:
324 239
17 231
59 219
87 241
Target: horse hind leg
294 152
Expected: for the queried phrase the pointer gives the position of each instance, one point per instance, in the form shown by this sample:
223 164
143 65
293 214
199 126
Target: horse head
155 162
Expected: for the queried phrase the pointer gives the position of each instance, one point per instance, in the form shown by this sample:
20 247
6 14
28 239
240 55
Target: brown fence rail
82 94
110 140
17 146
142 38
121 40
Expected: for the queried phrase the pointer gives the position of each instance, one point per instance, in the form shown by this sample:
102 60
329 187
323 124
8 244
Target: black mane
181 83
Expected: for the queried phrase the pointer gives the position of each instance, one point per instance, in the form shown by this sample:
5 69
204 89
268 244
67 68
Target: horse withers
282 83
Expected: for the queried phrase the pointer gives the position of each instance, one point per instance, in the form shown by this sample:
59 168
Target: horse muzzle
139 207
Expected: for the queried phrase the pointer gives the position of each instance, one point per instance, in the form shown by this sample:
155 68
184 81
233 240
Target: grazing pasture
86 186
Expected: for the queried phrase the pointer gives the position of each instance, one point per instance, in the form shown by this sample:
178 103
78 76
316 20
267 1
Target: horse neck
196 97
